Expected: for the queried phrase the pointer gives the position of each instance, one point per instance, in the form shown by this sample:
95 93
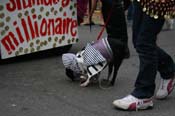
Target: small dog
92 59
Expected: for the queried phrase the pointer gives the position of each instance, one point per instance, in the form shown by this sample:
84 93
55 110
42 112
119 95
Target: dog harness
90 61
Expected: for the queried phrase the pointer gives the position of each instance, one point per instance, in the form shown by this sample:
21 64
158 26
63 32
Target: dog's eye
78 56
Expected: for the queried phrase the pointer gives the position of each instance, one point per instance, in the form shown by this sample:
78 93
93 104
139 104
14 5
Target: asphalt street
39 87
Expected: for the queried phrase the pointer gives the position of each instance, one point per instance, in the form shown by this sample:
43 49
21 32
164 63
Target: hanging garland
158 8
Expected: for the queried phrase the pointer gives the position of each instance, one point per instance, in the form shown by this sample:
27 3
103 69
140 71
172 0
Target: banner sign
28 26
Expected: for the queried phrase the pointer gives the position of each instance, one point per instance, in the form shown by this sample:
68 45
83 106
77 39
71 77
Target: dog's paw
85 84
84 81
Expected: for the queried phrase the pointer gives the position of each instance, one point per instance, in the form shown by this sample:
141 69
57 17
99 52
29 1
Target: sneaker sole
147 108
126 109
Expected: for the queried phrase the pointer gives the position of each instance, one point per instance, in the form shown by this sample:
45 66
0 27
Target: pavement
38 86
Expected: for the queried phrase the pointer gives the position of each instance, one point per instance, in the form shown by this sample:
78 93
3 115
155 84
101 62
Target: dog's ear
70 74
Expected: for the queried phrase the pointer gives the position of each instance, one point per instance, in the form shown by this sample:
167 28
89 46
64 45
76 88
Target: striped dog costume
90 61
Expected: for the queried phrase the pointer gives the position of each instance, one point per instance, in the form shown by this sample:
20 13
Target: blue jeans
130 12
152 58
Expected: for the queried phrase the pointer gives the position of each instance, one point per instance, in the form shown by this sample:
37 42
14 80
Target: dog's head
74 69
75 76
83 78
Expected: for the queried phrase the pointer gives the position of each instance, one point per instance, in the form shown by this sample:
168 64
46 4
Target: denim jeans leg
137 19
166 66
116 27
145 44
130 12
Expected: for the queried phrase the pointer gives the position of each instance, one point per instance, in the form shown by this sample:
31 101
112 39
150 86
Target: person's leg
145 30
166 66
130 12
148 55
137 20
81 10
106 8
116 26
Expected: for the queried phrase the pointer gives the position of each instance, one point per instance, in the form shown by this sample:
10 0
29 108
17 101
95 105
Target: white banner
28 26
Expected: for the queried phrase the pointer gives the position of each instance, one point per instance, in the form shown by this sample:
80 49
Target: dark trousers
152 58
130 12
116 26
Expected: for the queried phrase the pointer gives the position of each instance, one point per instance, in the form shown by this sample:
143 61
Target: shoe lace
131 98
138 102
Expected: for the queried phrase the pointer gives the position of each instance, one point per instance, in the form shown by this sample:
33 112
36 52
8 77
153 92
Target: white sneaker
165 88
132 103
